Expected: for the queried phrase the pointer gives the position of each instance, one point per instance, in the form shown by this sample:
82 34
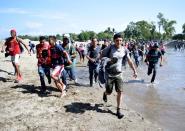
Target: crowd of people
56 60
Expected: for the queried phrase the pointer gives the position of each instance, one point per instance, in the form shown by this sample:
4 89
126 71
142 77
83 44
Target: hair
42 38
118 35
93 38
52 38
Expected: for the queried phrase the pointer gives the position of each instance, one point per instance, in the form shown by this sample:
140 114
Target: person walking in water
152 59
115 53
14 49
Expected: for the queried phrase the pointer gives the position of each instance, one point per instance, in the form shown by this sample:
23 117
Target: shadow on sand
80 108
6 79
31 89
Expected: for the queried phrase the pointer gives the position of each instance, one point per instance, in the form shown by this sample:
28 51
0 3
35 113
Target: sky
50 17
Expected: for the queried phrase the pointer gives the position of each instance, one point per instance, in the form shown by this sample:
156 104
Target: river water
162 103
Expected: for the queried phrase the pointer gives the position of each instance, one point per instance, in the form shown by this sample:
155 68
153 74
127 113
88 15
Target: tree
169 28
145 29
132 32
86 35
59 37
183 28
74 36
103 35
161 21
179 37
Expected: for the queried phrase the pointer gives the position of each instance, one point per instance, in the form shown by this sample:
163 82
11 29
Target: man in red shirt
13 48
44 62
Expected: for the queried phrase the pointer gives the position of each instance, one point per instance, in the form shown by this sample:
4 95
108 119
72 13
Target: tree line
163 29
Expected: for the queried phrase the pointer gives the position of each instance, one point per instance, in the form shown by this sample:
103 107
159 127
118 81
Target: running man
152 59
116 52
70 49
32 47
13 48
44 62
58 58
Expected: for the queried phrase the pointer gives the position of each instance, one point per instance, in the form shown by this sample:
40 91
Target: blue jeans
70 71
43 70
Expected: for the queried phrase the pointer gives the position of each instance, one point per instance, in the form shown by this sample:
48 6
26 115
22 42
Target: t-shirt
43 54
57 57
13 46
112 52
93 53
71 51
153 56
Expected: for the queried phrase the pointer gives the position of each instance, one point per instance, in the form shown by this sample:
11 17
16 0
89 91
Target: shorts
117 81
15 58
57 71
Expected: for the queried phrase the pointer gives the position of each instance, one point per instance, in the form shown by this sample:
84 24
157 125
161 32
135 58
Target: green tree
161 21
145 29
168 28
131 31
74 36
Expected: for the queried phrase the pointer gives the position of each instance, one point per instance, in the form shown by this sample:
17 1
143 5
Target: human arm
24 44
131 64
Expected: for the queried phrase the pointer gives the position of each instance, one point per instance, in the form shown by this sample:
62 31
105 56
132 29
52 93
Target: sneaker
104 97
119 114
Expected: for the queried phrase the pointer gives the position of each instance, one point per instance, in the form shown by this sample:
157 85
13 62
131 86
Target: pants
70 71
152 67
44 71
92 72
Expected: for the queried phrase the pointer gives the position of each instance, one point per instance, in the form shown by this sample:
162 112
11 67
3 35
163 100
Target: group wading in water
57 61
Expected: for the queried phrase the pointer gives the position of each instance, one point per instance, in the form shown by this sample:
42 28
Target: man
32 46
58 54
105 44
152 59
44 62
116 52
70 68
13 48
93 57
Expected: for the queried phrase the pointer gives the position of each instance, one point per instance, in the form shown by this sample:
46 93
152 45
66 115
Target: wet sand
22 107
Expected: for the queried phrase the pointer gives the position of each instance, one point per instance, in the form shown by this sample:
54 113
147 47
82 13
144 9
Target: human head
42 39
118 40
52 40
65 40
94 41
156 45
13 33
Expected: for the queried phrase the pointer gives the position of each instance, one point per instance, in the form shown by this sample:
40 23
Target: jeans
70 71
152 67
92 72
43 70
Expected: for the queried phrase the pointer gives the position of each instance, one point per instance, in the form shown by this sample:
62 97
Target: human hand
69 62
